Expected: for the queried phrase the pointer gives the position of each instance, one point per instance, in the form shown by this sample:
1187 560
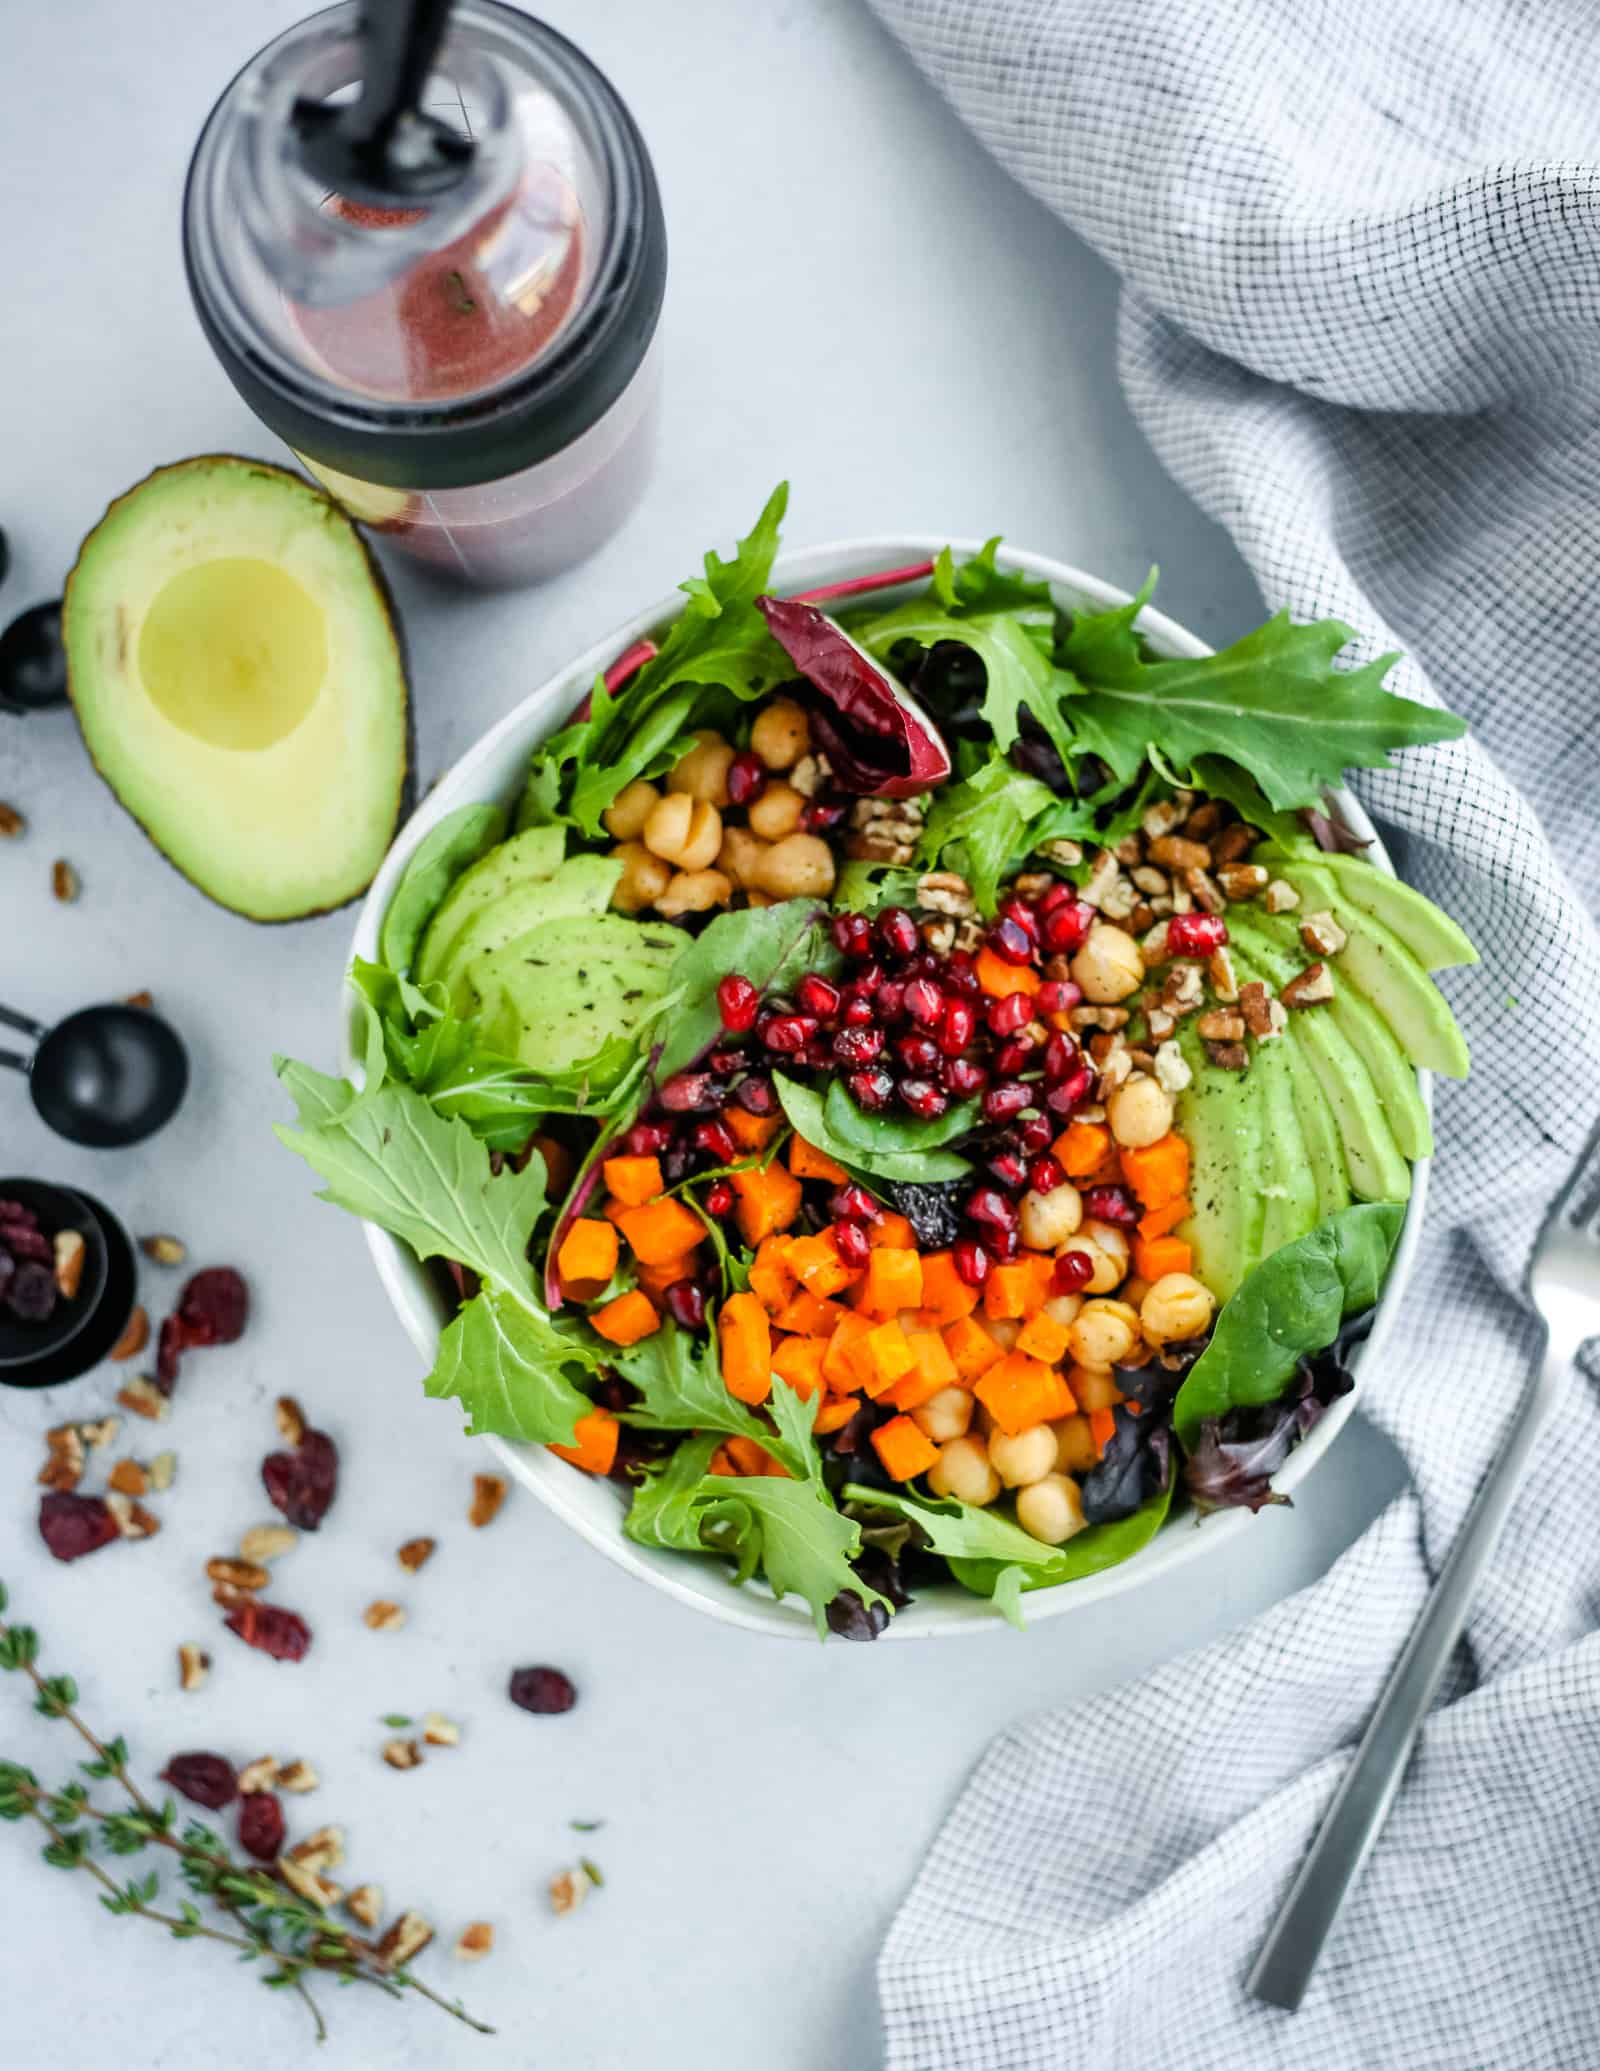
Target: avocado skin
405 793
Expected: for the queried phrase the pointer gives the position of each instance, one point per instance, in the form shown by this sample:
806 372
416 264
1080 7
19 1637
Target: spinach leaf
811 1116
770 945
896 1135
437 861
1289 1305
1089 1552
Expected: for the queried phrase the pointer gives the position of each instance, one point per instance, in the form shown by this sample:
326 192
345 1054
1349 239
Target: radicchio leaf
879 742
1236 1456
1331 834
1135 1466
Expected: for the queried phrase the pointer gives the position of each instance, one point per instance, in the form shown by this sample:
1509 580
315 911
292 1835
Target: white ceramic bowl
494 769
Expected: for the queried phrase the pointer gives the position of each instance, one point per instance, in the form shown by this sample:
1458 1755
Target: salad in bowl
912 1089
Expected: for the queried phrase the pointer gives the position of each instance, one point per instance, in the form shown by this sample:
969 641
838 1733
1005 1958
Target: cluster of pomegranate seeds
283 1634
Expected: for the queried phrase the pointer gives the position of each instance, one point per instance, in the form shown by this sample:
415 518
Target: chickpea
759 899
1050 1219
798 867
1109 965
944 1416
628 811
739 855
1177 1307
703 772
1106 1248
1023 1456
962 1470
694 891
1076 1451
1005 1330
781 734
1063 1309
644 878
776 812
1051 1510
683 830
1104 1334
1093 1387
1139 1111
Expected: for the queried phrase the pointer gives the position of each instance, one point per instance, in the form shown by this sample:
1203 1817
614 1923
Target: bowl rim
704 1585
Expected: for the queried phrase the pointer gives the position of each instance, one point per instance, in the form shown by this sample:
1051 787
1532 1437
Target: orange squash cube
834 1413
1021 1392
588 1254
751 1132
882 1357
626 1320
807 1162
768 1201
903 1449
799 1361
838 1364
891 1231
816 1264
999 979
659 1230
893 1281
932 1369
945 1295
971 1347
632 1181
594 1442
1043 1338
745 1337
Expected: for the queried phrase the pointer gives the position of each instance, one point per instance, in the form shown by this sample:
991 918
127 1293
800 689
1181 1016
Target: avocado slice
1432 936
1221 1115
1319 1131
524 859
574 991
1273 942
581 887
1288 1185
237 672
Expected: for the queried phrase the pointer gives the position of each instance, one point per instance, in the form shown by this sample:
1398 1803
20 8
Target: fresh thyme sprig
268 1922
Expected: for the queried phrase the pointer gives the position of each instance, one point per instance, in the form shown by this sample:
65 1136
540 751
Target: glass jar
473 372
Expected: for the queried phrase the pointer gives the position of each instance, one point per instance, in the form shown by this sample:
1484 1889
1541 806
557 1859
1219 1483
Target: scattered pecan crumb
139 999
383 1616
194 1665
63 1468
438 1731
298 1777
1234 842
165 1251
1224 980
1205 891
264 1542
11 822
1204 821
290 1419
1221 1027
64 881
1242 880
1321 934
568 1890
310 1884
365 1904
1280 897
1176 852
402 1754
1160 1024
1229 1056
408 1937
143 1397
1313 987
69 1256
1172 1068
488 1493
132 1519
416 1553
100 1432
128 1478
237 1574
323 1850
135 1336
259 1775
474 1941
161 1470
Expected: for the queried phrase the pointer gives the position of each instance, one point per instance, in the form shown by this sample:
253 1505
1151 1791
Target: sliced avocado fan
580 889
572 994
1220 1113
524 859
1432 937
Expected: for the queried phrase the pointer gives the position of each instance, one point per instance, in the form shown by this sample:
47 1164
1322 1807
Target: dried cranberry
719 1198
19 1214
1006 1099
1046 1173
214 1307
679 1157
987 1205
645 1139
963 1077
206 1779
261 1826
303 1483
1007 1169
918 1054
1196 934
1011 942
283 1634
755 1095
717 1139
926 1100
870 1089
959 974
72 1526
786 1033
1070 1092
816 996
897 932
924 1002
857 1011
686 1303
1112 1204
737 1001
958 1024
970 1260
1060 1055
1005 1016
1034 1134
852 1244
822 815
1073 1272
746 778
891 999
31 1293
690 1093
29 1244
542 1690
1013 1055
170 1344
852 1203
1023 914
1066 926
1058 996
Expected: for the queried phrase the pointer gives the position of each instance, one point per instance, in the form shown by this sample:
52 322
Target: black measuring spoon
106 1076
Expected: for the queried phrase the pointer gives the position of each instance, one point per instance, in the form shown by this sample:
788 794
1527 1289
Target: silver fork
1563 1286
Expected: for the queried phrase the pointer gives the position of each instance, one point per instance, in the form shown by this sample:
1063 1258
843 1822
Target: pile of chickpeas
678 850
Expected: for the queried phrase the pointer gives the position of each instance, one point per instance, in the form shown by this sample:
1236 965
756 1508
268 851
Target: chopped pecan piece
1165 815
194 1665
488 1493
298 1777
1183 990
132 1519
1174 852
1313 987
1104 873
259 1775
1149 880
135 1336
1221 1027
408 1937
290 1419
474 1941
237 1574
1204 821
365 1904
1220 971
1233 843
1066 854
128 1478
161 1470
416 1553
11 823
1172 1068
310 1884
1205 891
402 1754
323 1850
1280 897
65 882
1322 934
1229 1056
1160 1024
383 1616
165 1251
568 1890
1263 1015
1242 880
264 1542
438 1731
69 1256
1098 1017
143 1397
63 1469
942 891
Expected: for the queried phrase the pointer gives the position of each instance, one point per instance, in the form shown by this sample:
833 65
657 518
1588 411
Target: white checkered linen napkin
1361 324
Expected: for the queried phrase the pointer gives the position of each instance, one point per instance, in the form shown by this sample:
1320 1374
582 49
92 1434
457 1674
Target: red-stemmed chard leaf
858 585
879 742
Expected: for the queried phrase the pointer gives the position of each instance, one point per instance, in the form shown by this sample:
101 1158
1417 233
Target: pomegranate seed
717 1138
1070 1093
822 815
918 1054
722 1062
1002 1245
924 1002
817 996
897 932
871 1089
852 1243
689 1092
1011 942
870 976
960 974
1060 1055
857 1011
1013 1055
926 1099
1046 1173
1073 1272
1196 934
957 1026
852 1203
852 935
858 1045
1023 914
964 1077
1005 1100
1034 1134
1066 927
1111 1204
686 1303
719 1198
746 778
970 1260
1008 1169
1058 996
644 1139
755 1095
737 1001
987 1205
1005 1016
927 963
815 1055
1050 900
891 998
786 1033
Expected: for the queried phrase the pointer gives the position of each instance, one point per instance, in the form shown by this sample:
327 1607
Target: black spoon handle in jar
381 147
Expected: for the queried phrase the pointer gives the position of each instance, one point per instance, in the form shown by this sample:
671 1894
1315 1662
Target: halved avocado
238 673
